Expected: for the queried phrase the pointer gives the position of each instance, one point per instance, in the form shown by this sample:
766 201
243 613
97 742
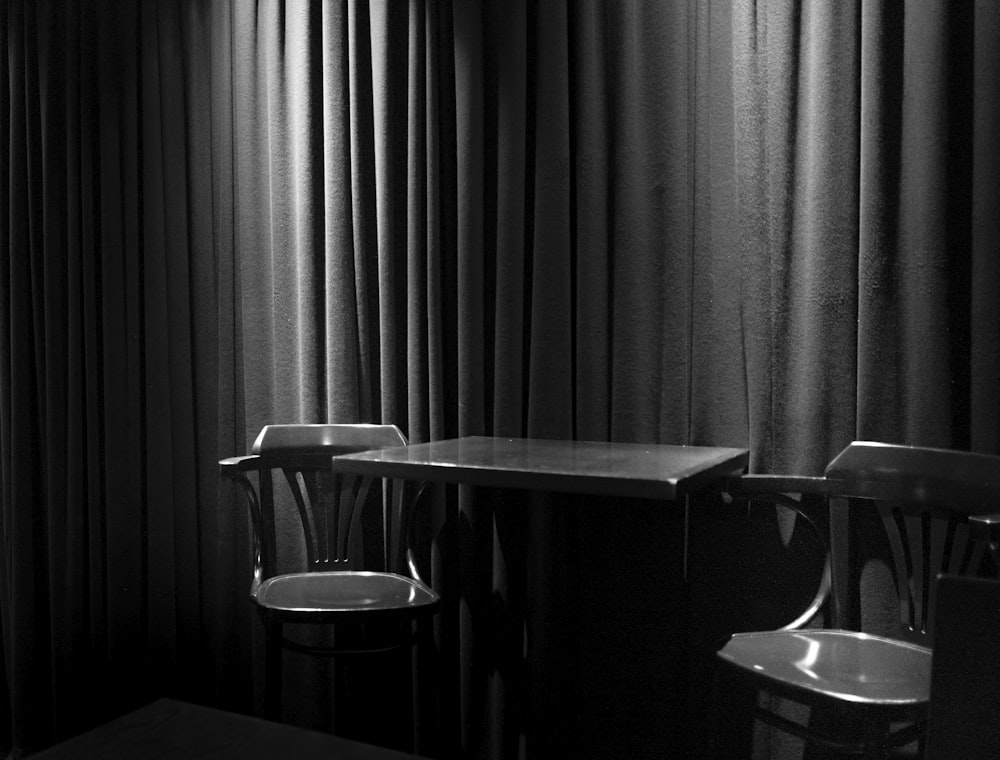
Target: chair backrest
924 497
329 506
965 673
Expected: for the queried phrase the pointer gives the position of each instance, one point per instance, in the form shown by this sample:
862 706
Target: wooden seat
867 694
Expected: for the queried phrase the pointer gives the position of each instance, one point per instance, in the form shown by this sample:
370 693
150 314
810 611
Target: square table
649 471
634 470
630 628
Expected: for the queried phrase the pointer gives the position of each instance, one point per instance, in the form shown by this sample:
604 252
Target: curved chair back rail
325 440
961 480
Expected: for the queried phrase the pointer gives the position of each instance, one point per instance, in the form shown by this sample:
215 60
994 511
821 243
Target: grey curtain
117 388
763 224
865 158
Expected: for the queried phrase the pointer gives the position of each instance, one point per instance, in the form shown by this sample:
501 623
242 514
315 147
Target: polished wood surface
613 469
172 730
812 662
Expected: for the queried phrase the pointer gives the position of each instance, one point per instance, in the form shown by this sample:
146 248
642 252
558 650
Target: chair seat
352 592
847 666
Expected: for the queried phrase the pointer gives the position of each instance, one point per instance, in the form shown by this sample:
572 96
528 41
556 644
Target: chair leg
273 673
416 682
425 685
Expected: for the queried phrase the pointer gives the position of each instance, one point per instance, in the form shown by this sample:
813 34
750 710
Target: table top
655 471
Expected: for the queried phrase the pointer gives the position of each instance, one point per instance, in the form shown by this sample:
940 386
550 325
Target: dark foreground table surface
612 469
171 730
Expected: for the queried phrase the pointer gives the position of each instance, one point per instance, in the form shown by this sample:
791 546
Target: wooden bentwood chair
868 695
369 610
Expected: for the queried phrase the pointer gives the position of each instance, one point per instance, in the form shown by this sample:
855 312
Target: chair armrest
778 491
233 466
985 528
406 527
745 486
235 469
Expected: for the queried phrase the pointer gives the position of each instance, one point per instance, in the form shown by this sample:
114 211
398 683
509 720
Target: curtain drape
860 127
762 224
118 364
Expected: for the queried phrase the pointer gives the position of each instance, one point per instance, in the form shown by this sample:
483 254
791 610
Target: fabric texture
770 225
